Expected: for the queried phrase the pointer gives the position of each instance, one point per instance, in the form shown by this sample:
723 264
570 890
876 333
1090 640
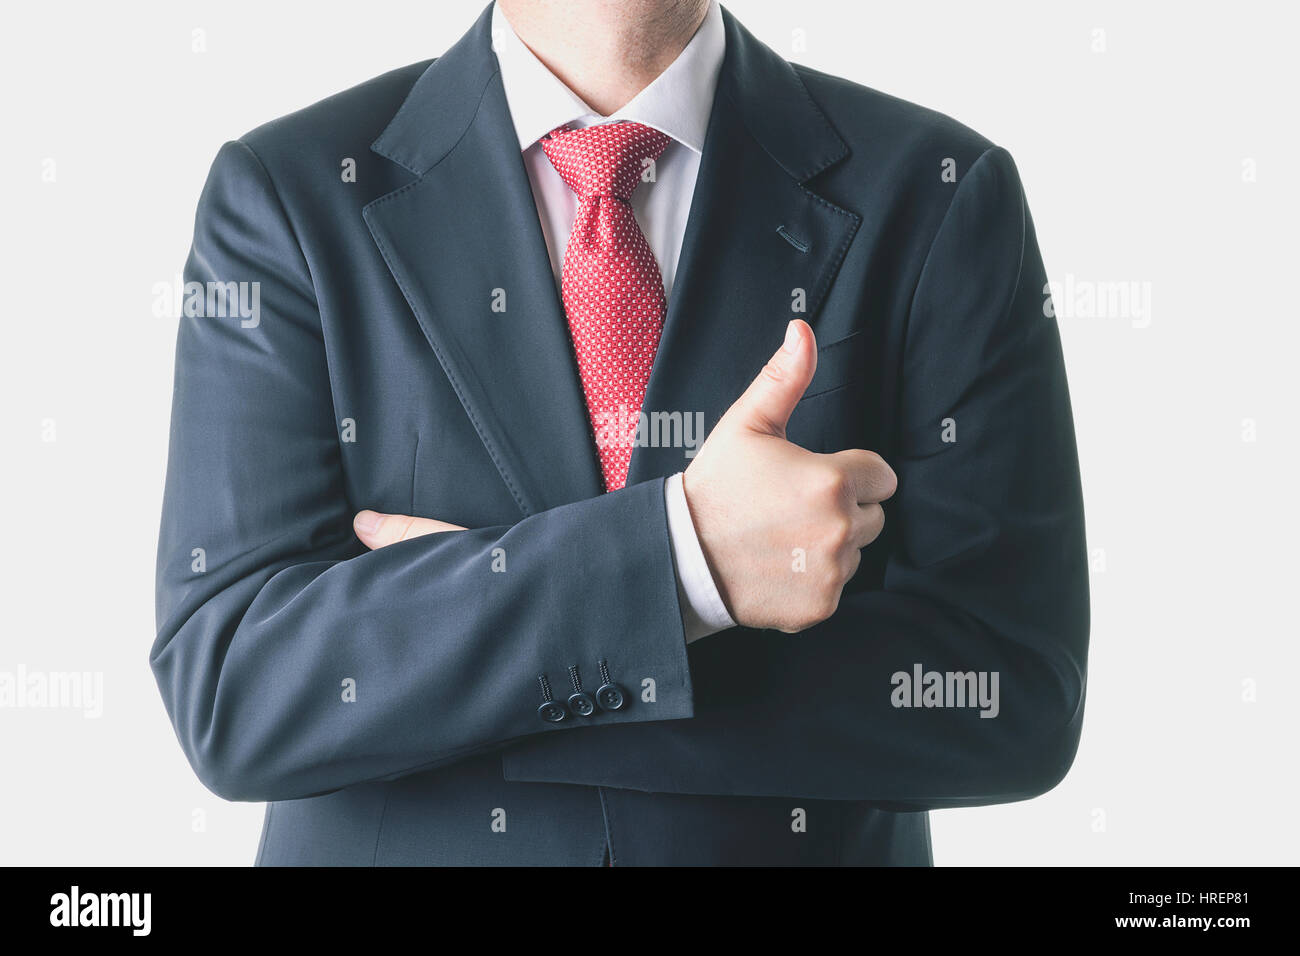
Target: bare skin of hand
380 530
755 498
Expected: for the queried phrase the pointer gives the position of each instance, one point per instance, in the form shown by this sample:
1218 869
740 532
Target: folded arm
293 661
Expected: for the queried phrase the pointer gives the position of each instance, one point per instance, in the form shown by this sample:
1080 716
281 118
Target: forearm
296 670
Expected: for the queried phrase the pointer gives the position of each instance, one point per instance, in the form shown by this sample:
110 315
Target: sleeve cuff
703 612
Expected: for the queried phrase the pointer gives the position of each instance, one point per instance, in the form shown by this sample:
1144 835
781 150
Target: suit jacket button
610 697
582 704
551 712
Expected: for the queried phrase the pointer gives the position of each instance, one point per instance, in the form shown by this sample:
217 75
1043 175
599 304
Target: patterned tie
612 290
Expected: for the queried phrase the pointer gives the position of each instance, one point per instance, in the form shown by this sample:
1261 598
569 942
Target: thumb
767 403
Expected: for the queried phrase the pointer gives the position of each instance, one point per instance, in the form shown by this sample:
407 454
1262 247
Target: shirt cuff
703 612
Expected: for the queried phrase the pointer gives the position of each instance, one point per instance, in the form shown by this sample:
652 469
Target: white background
1133 162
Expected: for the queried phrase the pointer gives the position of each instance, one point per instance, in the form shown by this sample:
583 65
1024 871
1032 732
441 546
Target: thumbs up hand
755 498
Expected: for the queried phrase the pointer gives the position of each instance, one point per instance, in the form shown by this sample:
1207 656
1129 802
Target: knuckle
833 483
840 532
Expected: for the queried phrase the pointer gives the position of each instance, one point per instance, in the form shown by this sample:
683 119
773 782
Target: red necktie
612 291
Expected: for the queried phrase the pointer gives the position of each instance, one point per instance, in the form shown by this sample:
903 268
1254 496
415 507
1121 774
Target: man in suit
445 574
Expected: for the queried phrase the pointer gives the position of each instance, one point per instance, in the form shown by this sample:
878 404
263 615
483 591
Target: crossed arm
987 570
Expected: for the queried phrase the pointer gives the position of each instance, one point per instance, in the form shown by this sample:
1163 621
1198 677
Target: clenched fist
755 498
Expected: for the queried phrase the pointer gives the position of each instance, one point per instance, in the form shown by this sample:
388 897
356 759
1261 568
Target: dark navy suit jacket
378 374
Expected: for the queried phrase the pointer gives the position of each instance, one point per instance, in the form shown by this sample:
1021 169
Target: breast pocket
838 364
833 411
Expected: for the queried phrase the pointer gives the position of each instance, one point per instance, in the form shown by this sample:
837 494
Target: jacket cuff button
551 712
610 697
582 704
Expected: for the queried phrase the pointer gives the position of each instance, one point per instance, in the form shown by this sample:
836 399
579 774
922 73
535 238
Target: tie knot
605 160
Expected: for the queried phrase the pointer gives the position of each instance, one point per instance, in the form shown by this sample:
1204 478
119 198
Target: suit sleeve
986 574
294 662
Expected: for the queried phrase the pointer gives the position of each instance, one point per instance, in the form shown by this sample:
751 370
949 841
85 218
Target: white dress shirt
677 103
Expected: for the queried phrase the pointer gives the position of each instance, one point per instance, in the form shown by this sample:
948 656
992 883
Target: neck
605 52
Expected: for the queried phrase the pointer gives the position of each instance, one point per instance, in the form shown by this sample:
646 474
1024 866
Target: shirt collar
678 102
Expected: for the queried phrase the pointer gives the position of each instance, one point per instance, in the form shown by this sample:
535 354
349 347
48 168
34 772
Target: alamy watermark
619 428
922 688
76 908
1076 298
53 690
209 300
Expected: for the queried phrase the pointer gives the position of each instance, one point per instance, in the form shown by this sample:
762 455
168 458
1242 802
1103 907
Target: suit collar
775 106
442 103
763 87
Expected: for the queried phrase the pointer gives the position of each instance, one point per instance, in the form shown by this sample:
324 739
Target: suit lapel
758 243
465 236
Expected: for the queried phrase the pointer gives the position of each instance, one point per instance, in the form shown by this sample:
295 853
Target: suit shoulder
880 125
338 124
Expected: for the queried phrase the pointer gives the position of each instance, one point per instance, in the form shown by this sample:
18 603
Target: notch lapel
756 238
468 226
459 238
